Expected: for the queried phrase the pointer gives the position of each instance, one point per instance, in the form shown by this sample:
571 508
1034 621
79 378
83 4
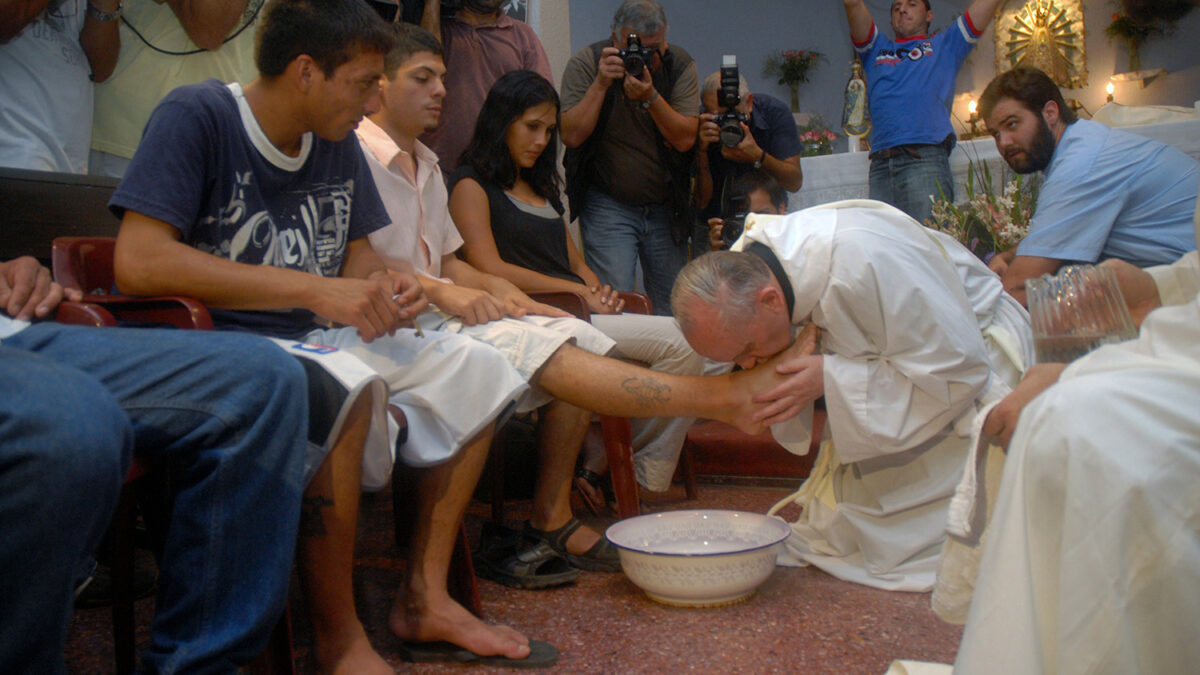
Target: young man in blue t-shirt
257 201
910 84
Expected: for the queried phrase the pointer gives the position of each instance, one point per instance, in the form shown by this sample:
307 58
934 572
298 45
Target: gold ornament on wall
1047 35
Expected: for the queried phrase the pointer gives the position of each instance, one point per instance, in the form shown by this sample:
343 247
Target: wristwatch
105 16
759 163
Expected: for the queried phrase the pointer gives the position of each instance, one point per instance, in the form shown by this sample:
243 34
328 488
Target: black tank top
525 239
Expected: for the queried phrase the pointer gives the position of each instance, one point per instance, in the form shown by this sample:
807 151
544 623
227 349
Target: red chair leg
688 469
619 449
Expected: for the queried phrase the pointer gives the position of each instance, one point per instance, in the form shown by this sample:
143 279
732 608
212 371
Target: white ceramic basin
698 558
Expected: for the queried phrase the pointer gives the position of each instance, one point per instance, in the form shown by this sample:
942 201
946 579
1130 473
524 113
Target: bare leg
613 387
424 611
563 429
326 552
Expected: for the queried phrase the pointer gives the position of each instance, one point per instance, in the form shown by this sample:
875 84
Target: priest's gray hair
727 280
713 82
644 17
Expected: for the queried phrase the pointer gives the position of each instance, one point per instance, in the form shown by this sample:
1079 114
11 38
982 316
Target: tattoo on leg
648 391
312 523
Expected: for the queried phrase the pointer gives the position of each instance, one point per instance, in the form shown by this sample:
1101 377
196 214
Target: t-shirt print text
891 57
308 231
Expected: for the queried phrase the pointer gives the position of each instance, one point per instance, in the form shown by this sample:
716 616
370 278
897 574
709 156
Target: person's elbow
573 136
683 142
792 181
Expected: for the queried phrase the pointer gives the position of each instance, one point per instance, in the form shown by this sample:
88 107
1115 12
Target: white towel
968 507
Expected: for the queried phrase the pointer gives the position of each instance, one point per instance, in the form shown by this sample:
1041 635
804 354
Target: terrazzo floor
800 621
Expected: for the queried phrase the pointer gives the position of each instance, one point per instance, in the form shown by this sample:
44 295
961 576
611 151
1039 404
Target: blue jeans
616 237
224 414
908 182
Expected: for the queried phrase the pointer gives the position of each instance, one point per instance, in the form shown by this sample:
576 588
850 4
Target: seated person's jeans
224 414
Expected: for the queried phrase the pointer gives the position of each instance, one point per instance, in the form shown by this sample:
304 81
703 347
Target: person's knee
72 430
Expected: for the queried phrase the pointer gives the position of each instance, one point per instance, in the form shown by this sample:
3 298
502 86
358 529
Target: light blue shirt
1113 194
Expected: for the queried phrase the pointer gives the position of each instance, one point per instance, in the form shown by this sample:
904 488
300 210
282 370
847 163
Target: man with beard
1106 193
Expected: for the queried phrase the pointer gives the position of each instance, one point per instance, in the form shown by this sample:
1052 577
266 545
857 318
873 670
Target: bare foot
746 383
444 619
582 540
355 658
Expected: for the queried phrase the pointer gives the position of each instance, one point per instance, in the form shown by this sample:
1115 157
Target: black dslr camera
733 218
635 56
728 97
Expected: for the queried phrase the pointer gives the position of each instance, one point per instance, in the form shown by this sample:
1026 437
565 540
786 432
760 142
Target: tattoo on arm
312 523
649 391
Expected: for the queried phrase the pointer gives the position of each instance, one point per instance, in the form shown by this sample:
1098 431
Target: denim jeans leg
226 415
918 180
912 181
661 257
611 233
881 181
65 446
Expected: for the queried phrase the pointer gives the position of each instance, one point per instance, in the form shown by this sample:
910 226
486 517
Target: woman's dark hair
510 97
332 32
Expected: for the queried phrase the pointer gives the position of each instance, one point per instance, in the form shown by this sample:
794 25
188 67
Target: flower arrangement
816 137
791 67
990 220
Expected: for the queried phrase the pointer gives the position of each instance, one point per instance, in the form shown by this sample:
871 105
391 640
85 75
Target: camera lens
731 132
634 64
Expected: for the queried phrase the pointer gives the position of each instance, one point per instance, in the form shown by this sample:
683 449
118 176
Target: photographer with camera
741 132
754 192
629 123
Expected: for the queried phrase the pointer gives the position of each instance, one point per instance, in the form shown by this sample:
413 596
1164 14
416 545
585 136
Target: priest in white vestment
1092 562
916 334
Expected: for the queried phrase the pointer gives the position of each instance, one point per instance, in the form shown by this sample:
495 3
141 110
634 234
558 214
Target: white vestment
1092 562
916 334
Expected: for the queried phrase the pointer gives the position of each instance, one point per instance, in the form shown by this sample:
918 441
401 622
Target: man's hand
519 305
715 227
1002 420
367 304
27 292
1137 287
611 67
472 306
640 88
999 262
805 383
746 152
709 132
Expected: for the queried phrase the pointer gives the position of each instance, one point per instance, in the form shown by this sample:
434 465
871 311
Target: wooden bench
37 206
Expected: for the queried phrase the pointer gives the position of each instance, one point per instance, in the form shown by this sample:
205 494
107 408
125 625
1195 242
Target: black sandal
509 557
601 557
594 481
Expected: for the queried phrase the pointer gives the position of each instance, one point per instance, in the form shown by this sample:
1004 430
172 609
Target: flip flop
541 655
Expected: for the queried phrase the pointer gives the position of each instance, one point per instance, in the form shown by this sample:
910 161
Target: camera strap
764 253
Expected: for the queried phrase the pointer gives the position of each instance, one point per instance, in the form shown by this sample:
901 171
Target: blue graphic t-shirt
910 83
205 167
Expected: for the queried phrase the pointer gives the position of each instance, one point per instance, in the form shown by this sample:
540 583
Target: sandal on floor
589 485
541 655
601 557
508 557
